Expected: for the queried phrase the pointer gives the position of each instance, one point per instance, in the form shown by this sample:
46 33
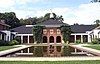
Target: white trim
29 25
79 34
0 36
24 34
21 39
21 51
28 50
71 34
75 38
28 39
81 38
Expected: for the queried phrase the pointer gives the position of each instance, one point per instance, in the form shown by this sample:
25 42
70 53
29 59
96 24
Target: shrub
98 39
17 39
4 43
78 41
38 51
14 42
66 51
95 41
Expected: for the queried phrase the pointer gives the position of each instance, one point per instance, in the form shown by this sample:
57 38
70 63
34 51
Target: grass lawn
51 62
2 48
94 47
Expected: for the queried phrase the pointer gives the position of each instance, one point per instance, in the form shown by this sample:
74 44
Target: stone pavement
14 49
86 49
48 58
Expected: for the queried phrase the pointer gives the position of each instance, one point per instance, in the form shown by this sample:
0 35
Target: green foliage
78 41
97 23
66 51
2 48
66 31
37 33
47 16
96 41
29 21
8 43
13 42
35 20
38 51
17 39
10 19
94 1
52 62
4 43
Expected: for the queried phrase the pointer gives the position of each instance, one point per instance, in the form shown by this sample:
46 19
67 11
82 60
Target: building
52 37
5 33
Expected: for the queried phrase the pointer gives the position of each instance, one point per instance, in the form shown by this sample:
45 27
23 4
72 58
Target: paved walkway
48 58
14 50
86 49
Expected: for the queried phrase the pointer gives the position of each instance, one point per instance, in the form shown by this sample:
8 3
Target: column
89 38
21 39
21 42
81 38
75 38
0 36
75 50
28 50
21 51
48 40
28 39
54 39
55 51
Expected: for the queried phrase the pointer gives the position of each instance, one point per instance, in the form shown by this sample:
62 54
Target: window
58 31
58 39
51 31
44 39
44 31
51 39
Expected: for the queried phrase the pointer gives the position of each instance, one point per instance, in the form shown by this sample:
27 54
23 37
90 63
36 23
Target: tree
29 21
56 17
94 1
97 23
35 20
37 33
66 31
10 19
66 51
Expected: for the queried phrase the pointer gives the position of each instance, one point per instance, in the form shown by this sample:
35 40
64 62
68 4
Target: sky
73 11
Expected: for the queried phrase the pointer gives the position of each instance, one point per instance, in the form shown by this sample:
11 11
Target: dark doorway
44 39
85 38
25 39
58 39
72 39
31 39
51 39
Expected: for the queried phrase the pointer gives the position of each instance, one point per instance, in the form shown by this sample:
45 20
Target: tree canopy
35 20
93 1
66 32
10 19
97 23
37 33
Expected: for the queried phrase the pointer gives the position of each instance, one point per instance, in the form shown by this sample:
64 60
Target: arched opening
58 48
58 39
44 39
51 39
51 49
